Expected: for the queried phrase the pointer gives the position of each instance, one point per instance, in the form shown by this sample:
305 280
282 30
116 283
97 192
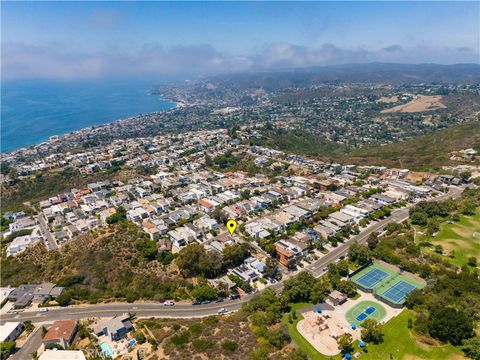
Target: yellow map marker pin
231 226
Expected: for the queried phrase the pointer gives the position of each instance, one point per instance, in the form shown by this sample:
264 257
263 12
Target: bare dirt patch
387 100
419 104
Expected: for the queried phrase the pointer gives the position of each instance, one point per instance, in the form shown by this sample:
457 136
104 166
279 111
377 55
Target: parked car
222 311
43 309
234 296
219 300
204 302
168 303
196 302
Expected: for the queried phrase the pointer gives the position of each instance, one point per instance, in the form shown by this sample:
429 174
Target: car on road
222 310
43 309
168 303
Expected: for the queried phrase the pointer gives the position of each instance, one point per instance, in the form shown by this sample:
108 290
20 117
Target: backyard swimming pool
106 349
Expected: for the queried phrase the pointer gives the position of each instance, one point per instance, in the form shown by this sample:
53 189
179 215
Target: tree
277 337
419 218
414 298
43 331
64 299
472 261
359 254
120 215
147 248
347 288
140 337
342 267
471 348
450 325
230 346
233 255
297 289
271 268
372 331
345 343
189 258
319 292
6 349
205 292
372 241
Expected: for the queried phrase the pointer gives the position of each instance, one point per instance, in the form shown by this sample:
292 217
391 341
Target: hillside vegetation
423 152
43 186
120 262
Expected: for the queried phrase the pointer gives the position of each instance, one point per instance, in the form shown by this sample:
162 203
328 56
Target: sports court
369 278
397 292
388 285
365 310
373 277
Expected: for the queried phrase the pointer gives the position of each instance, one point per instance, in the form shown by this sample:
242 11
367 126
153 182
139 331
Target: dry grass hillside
109 264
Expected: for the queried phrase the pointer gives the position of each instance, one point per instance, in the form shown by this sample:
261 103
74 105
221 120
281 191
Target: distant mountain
385 73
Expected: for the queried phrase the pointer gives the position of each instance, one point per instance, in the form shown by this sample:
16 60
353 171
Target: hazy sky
83 40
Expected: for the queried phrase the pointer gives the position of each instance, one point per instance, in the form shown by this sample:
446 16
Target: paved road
49 240
140 309
32 344
186 310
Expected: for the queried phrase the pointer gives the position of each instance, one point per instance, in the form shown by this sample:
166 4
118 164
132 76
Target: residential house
61 332
115 328
10 331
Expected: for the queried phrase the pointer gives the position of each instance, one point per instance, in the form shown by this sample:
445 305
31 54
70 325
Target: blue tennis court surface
398 292
361 317
371 278
370 310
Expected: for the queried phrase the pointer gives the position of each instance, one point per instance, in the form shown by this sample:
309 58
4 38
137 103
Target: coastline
83 131
15 129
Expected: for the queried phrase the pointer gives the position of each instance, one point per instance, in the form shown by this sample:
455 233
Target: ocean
32 111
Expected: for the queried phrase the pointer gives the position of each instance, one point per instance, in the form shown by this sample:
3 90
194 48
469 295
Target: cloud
24 61
393 48
284 55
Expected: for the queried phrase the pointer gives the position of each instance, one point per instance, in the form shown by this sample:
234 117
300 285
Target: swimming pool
106 349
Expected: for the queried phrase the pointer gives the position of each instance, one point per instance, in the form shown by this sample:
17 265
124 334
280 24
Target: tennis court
398 292
363 310
371 278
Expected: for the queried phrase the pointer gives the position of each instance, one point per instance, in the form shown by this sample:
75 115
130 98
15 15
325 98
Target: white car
223 311
43 309
168 303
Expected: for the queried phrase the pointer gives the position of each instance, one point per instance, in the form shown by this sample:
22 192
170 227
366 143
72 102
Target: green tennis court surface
388 285
365 310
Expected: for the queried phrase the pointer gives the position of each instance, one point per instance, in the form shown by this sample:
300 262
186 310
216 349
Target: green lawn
459 237
400 343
